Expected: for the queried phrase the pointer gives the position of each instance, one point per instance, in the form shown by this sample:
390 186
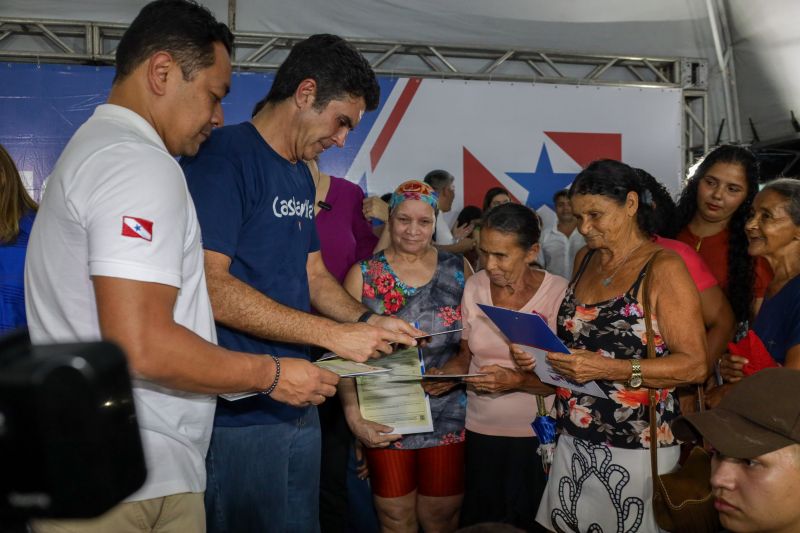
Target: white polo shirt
443 233
117 205
558 251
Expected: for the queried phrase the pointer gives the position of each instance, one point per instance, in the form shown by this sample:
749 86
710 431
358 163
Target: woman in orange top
712 211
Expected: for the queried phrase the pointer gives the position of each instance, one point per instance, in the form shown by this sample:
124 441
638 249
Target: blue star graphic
137 227
543 183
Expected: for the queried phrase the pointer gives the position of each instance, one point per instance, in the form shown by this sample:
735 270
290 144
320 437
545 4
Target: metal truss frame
40 40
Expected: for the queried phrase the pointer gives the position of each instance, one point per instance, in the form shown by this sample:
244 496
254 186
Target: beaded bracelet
277 376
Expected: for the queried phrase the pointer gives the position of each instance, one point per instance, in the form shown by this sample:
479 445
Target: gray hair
438 179
789 188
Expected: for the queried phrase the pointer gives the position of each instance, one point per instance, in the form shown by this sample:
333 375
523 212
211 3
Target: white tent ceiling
766 44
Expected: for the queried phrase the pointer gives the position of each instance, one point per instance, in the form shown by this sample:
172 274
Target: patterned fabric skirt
597 488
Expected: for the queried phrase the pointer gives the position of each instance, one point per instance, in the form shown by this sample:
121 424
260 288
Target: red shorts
437 471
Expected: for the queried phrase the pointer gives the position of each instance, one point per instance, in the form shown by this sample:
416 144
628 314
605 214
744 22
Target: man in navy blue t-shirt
254 199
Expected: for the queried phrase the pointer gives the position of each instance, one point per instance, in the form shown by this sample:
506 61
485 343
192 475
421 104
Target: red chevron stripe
393 121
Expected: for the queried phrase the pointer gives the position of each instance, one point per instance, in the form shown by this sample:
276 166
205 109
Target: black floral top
435 306
615 328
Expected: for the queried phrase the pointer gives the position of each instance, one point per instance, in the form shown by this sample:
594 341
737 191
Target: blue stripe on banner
43 105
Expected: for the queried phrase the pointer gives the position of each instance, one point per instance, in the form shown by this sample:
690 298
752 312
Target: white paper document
548 375
398 401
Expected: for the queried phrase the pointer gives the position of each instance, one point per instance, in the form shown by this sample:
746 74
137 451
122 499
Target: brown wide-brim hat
759 415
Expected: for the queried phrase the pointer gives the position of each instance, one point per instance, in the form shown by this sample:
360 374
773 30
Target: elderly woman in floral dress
417 480
601 479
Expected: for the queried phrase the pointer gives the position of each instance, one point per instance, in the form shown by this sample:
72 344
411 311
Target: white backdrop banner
531 139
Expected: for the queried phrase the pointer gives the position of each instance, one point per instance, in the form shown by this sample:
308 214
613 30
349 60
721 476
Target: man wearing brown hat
755 433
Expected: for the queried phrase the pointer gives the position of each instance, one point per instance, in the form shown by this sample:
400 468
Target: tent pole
726 35
723 57
232 15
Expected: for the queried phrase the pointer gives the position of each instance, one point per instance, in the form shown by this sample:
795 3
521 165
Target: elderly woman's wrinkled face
412 224
502 256
769 227
602 221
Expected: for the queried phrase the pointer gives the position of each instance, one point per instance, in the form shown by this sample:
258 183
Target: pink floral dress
436 306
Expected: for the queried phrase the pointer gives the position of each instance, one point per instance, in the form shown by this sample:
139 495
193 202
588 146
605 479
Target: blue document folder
524 328
532 333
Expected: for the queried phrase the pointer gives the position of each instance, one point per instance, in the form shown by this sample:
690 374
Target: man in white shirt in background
561 242
444 184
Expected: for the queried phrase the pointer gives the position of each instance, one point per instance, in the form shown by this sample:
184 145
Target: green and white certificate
396 398
347 369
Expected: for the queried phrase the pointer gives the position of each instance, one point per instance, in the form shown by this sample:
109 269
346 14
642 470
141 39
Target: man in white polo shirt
116 254
561 242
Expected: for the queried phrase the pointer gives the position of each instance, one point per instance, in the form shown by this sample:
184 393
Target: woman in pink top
504 475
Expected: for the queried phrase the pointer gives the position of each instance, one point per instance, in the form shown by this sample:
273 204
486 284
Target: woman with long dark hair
712 211
717 314
17 211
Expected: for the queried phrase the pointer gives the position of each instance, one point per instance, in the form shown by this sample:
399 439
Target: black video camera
69 439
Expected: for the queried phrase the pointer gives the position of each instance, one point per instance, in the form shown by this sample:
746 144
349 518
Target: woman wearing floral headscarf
417 480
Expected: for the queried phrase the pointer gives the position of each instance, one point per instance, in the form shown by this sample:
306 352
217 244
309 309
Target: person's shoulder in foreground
755 434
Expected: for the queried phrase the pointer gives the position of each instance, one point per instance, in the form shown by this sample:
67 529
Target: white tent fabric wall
764 39
766 49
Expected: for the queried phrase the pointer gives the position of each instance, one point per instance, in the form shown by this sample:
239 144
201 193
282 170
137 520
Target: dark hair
183 28
386 197
559 194
741 267
491 193
438 179
338 68
468 214
789 188
14 199
614 180
654 192
515 219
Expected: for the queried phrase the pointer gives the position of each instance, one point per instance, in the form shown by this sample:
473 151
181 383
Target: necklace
607 281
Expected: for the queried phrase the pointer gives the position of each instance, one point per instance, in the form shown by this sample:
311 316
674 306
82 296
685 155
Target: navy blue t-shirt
778 320
258 209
